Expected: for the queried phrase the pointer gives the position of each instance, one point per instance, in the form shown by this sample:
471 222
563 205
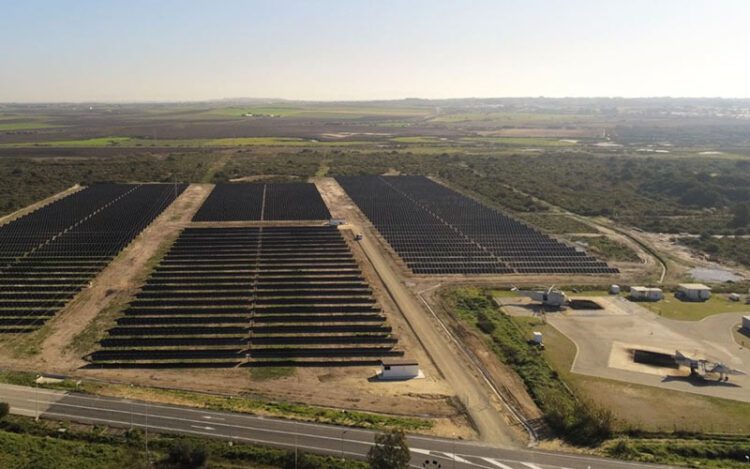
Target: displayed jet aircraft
702 367
552 297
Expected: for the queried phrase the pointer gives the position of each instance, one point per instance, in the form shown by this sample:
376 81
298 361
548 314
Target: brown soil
116 280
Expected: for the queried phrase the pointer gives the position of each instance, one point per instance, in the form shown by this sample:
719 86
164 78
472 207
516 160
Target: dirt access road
466 382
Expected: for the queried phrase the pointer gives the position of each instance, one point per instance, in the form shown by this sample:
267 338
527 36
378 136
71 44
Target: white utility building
693 292
746 323
645 294
399 370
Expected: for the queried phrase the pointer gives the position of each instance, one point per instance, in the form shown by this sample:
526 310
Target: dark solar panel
49 255
436 230
281 297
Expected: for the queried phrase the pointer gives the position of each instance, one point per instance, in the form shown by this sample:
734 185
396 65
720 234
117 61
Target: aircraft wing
723 369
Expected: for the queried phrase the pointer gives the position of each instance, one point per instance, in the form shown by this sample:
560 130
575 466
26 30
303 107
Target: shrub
185 454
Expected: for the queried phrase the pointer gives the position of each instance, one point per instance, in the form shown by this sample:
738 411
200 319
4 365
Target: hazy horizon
198 51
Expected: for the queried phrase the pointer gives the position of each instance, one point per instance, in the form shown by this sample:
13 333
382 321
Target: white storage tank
537 337
614 290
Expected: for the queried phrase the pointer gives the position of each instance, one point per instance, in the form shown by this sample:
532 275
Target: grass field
322 111
556 223
606 248
520 141
673 308
515 117
14 126
131 142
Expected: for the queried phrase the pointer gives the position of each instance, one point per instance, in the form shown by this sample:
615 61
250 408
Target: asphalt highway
309 437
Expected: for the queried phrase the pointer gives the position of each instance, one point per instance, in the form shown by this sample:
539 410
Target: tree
4 409
390 451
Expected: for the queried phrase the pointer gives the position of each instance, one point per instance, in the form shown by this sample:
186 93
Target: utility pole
148 455
342 444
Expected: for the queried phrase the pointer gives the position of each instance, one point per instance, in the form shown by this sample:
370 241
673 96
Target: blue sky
110 50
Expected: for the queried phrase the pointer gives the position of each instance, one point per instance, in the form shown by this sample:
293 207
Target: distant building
693 292
399 370
645 294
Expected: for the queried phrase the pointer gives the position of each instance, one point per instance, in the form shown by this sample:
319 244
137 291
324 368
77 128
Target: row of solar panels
259 312
251 202
49 255
436 230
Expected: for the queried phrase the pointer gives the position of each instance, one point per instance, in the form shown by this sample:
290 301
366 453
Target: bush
4 410
186 454
485 323
301 461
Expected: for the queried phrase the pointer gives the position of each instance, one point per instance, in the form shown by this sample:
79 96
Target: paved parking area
604 339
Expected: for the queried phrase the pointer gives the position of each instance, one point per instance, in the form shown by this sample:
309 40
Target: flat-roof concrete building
645 294
399 370
693 292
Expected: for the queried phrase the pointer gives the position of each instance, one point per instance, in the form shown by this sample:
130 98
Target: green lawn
673 308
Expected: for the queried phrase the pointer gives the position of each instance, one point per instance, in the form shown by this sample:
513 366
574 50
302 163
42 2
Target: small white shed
399 370
645 294
746 323
693 292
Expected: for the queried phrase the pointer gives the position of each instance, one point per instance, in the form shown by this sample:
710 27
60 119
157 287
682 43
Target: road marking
531 465
208 417
202 427
496 463
187 420
214 435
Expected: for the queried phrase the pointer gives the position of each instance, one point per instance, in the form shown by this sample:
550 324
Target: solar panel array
225 297
436 230
257 202
49 255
